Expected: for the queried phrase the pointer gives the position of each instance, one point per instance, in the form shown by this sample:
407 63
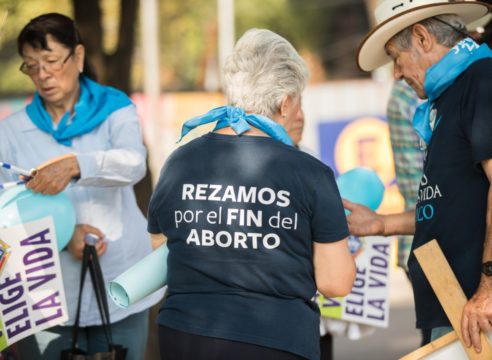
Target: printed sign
368 302
224 215
31 287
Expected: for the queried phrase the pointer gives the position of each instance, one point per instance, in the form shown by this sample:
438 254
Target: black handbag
115 352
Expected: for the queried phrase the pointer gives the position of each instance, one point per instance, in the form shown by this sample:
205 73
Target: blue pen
16 169
8 185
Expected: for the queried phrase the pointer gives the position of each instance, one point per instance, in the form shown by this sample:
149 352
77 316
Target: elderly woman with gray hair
253 225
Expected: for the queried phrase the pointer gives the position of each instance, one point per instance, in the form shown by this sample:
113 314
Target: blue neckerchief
96 102
441 75
239 121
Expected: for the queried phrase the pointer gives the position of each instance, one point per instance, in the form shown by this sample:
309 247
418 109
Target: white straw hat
392 16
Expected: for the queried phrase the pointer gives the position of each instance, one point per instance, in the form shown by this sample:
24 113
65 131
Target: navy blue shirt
452 201
240 214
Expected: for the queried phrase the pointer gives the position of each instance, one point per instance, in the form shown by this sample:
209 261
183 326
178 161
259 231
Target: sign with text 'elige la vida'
368 302
31 287
347 143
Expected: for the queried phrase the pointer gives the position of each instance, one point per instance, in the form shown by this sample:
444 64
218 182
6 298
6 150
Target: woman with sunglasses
82 138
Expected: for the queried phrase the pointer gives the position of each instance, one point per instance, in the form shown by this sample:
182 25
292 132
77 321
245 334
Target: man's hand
76 245
477 316
53 176
362 221
477 313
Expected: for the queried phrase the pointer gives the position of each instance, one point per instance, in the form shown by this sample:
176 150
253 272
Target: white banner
368 302
31 287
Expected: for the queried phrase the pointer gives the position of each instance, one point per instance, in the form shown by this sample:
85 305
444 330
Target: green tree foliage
19 13
291 19
331 29
185 29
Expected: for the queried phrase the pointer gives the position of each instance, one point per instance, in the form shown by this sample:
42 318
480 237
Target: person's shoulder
12 126
185 150
129 110
304 161
480 70
17 119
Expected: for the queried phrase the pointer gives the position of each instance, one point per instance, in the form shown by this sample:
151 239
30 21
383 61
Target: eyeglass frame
23 67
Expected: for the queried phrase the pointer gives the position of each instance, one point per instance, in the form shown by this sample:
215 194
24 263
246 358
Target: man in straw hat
427 42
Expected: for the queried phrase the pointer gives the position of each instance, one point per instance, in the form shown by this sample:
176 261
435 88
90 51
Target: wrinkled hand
54 175
77 243
362 221
477 316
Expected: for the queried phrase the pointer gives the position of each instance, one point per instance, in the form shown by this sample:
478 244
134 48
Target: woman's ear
79 56
284 105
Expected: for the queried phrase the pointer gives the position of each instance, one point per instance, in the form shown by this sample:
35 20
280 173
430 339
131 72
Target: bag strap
83 271
99 290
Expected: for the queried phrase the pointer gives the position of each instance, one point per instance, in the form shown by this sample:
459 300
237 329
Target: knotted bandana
441 76
239 121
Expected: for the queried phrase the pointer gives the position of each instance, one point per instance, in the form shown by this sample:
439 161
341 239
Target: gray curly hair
263 68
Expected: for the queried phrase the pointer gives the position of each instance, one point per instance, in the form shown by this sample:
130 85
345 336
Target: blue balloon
19 205
362 186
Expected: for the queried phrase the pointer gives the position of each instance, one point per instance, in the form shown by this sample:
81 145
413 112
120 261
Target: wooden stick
437 344
447 289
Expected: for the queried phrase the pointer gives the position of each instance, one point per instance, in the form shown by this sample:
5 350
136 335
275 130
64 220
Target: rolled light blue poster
141 280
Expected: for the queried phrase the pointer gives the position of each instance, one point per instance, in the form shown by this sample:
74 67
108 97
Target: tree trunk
88 17
112 69
118 64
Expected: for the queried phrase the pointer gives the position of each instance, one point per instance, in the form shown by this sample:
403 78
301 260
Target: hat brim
372 54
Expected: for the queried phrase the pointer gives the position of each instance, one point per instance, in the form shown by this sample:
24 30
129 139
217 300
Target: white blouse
111 159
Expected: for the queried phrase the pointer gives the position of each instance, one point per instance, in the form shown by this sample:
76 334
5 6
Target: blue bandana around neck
96 102
442 75
239 121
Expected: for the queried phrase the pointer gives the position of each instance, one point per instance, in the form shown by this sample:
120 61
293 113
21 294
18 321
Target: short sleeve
329 223
154 209
478 111
152 224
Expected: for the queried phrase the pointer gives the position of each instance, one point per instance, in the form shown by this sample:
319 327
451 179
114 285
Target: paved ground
398 339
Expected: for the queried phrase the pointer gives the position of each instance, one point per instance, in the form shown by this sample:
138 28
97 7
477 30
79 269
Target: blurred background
167 55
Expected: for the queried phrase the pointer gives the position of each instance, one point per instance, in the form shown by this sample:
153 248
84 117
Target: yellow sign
365 142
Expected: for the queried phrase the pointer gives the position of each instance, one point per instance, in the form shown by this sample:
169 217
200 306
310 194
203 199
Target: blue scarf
239 121
96 102
442 75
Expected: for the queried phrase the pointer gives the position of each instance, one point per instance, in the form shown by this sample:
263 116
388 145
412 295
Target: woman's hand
77 243
362 221
53 176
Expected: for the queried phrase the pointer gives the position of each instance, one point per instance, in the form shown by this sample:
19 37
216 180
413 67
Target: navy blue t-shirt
240 214
452 201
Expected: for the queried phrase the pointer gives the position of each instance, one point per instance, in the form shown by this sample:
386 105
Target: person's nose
42 72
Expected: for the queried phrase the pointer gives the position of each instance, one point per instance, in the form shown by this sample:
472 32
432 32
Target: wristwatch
487 268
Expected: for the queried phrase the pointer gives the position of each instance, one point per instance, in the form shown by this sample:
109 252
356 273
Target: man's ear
424 39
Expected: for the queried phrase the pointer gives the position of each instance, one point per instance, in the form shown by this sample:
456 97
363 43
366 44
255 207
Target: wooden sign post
447 289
